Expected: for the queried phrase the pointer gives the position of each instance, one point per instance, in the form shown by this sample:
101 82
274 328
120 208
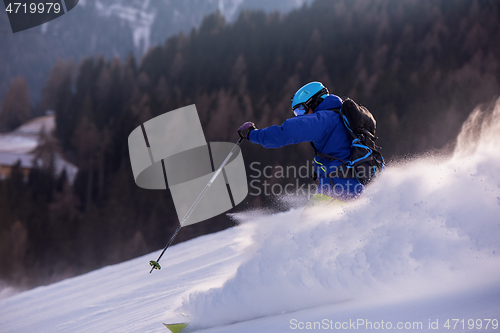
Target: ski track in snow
421 245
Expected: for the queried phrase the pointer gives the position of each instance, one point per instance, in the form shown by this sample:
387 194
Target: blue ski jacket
326 131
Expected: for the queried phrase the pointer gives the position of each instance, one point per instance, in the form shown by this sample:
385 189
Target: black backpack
365 160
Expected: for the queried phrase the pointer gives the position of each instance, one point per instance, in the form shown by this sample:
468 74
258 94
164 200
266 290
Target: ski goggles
299 110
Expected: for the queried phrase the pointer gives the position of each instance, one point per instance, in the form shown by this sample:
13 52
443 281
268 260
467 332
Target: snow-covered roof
9 159
34 126
25 138
19 145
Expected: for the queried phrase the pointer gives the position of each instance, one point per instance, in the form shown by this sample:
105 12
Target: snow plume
480 133
425 227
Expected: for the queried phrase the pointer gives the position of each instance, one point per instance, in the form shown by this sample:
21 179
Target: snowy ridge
420 247
139 18
140 15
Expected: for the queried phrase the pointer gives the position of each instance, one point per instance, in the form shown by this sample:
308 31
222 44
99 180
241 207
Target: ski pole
155 264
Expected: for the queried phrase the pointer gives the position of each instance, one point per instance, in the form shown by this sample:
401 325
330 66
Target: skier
314 122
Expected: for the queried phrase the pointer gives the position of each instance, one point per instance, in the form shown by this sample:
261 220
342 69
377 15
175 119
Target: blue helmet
309 96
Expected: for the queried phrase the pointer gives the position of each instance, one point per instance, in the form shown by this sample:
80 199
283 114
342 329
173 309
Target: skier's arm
304 128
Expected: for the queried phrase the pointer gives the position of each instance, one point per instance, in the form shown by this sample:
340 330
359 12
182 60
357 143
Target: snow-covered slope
420 249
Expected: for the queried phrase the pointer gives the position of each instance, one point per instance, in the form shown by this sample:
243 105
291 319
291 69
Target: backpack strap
343 171
326 156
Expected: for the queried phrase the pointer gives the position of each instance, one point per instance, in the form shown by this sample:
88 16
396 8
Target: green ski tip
155 264
176 328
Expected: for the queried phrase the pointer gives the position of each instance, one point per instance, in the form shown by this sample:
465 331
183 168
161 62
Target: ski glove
245 129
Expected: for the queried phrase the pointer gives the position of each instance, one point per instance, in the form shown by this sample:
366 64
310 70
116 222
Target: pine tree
16 107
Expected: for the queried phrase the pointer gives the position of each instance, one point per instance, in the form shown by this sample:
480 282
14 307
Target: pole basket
155 265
